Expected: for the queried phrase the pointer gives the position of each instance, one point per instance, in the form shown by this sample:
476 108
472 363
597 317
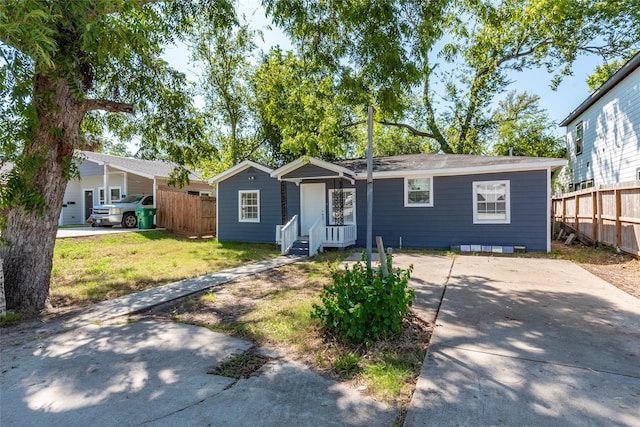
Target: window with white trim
249 205
115 195
491 202
418 191
342 206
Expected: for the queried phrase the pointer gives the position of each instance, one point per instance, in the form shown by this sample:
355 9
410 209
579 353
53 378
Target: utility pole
369 187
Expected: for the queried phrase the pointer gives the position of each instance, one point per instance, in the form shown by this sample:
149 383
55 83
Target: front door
312 205
88 203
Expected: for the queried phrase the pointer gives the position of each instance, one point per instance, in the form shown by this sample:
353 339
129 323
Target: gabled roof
619 76
246 164
447 164
303 161
147 168
404 165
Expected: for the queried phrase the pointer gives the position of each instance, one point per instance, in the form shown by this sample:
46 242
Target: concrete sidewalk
530 342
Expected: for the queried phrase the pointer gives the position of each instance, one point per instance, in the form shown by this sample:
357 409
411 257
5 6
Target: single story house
435 201
120 176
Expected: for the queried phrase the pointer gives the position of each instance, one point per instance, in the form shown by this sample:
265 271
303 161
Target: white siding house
120 176
603 133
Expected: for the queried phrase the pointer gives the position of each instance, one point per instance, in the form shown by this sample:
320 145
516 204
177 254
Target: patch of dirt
242 366
222 309
228 302
619 269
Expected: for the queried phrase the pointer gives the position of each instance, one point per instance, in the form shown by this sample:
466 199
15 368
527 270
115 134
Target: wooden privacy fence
609 214
186 213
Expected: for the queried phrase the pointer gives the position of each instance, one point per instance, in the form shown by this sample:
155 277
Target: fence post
618 222
594 209
576 207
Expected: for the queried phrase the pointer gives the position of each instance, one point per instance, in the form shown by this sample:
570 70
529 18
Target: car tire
129 220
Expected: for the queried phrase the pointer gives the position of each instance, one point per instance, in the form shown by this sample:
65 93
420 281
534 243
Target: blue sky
559 103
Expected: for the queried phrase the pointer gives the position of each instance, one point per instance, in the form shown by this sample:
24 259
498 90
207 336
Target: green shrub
361 304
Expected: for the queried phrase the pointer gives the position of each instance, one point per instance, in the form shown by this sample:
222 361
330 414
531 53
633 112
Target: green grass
96 268
9 317
282 318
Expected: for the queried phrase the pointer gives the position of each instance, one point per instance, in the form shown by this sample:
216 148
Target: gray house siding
72 204
139 185
450 220
293 202
309 171
229 226
89 168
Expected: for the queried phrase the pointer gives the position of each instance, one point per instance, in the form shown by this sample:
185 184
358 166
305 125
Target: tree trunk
30 236
3 300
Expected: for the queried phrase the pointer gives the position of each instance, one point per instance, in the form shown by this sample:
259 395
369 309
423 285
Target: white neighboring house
120 176
603 133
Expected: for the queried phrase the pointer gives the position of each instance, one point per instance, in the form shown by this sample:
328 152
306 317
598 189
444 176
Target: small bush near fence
361 304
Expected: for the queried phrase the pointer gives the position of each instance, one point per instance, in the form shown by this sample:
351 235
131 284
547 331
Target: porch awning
309 168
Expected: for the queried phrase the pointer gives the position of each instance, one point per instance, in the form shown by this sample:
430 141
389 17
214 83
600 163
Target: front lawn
96 268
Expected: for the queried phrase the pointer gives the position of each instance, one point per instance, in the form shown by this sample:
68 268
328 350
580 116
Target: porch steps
300 247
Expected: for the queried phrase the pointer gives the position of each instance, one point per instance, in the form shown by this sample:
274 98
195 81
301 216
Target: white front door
312 205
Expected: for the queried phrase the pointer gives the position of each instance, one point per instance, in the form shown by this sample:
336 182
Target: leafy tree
61 63
300 108
225 57
604 72
460 54
523 128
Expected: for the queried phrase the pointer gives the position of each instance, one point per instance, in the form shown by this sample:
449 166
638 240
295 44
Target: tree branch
517 54
350 125
111 106
410 128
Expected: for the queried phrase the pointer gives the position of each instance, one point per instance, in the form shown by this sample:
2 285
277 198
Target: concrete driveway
517 342
530 342
95 231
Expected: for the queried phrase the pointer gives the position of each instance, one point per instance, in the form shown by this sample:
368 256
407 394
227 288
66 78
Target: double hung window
249 206
491 202
418 191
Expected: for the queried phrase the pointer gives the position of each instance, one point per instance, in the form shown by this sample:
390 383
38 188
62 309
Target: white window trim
240 193
507 219
104 199
406 192
345 190
115 187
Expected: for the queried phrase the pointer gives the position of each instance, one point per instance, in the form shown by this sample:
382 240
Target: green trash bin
145 217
